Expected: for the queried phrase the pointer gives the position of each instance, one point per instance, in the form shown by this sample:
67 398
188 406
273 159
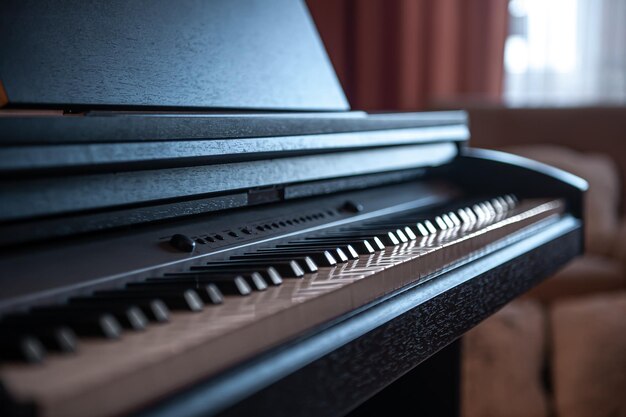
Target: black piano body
147 142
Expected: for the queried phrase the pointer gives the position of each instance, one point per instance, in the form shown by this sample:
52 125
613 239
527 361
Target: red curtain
415 54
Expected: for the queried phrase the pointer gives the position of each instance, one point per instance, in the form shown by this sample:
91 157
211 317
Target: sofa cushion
502 364
589 356
602 198
585 275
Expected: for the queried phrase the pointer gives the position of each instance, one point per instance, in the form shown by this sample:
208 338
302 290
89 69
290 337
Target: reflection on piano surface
197 262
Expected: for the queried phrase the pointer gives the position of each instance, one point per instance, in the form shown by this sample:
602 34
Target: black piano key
23 348
130 317
385 234
88 324
269 275
59 339
233 285
207 291
387 238
54 338
289 269
362 247
338 255
174 299
309 260
307 263
375 241
319 255
155 309
347 249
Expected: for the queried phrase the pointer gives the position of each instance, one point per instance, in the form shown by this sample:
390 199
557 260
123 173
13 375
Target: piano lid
222 54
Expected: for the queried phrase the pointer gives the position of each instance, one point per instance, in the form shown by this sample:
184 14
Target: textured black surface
55 195
238 54
159 127
334 383
102 260
431 389
500 171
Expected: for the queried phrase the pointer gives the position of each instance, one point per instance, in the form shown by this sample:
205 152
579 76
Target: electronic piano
193 221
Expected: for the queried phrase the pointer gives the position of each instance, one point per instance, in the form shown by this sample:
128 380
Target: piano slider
195 222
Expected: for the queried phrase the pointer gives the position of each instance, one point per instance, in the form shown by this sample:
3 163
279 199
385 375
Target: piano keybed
178 327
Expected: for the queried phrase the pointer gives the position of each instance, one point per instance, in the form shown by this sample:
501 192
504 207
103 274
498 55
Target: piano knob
352 207
183 243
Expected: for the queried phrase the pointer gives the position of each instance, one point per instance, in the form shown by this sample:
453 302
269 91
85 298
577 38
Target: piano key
338 254
347 249
504 203
317 256
23 348
231 285
401 228
321 258
431 228
89 324
384 227
401 236
463 216
387 238
453 217
208 292
130 317
479 212
308 260
423 231
153 309
289 269
497 205
305 262
174 299
441 223
362 246
269 274
255 281
321 253
54 338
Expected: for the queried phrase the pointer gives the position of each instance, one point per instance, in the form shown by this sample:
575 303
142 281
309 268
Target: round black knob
183 243
352 207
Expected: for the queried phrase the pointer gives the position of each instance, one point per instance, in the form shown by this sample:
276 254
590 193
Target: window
563 52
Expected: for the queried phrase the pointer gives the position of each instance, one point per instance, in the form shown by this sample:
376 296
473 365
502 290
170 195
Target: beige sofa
560 350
